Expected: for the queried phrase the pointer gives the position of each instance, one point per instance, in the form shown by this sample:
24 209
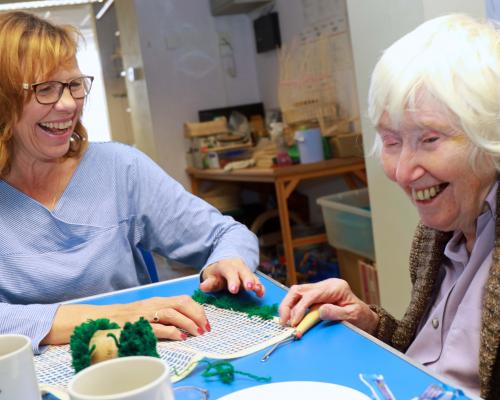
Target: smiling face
43 133
429 158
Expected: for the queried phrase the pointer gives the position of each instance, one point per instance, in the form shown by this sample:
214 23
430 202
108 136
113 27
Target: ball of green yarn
80 339
136 339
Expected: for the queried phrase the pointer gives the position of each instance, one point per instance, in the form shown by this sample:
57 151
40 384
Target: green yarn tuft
231 302
80 339
225 372
138 339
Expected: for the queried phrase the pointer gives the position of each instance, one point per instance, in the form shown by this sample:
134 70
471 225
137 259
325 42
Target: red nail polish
207 327
184 336
200 331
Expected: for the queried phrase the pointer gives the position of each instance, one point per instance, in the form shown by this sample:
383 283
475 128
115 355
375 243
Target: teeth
57 125
425 194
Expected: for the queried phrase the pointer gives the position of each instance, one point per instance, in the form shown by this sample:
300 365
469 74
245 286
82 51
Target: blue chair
150 264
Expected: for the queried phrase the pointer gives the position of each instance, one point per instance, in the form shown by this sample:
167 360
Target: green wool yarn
80 339
224 371
232 302
138 339
135 339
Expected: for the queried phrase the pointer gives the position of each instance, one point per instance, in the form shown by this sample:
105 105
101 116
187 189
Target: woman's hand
339 304
232 274
169 317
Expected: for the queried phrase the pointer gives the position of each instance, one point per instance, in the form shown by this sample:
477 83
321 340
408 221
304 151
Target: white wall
95 113
374 26
180 51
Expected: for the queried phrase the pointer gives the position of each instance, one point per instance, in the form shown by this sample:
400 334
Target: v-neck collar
61 199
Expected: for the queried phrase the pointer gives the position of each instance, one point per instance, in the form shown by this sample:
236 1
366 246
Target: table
329 352
285 180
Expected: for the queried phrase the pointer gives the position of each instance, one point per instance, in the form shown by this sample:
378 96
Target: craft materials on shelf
209 128
234 334
317 83
310 319
214 141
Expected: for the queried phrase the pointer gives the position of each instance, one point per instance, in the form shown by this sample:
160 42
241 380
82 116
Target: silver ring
156 318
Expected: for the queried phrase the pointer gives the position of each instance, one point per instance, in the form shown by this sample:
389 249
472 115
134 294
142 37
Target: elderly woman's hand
232 274
339 304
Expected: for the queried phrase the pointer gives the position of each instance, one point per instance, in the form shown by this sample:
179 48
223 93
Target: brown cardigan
426 257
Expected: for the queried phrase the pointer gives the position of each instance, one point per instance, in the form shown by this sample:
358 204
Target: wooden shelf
221 149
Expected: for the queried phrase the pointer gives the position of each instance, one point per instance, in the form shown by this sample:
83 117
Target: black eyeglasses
50 92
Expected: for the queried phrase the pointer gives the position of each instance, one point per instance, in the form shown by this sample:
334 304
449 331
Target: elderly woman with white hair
435 101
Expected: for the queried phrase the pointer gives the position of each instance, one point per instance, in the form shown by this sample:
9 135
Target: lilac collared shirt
447 341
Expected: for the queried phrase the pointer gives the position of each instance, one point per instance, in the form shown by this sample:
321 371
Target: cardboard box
361 274
347 145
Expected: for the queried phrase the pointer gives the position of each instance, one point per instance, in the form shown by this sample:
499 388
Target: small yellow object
105 346
311 319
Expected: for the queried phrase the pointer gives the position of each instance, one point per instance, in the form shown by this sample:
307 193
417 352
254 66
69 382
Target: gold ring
156 318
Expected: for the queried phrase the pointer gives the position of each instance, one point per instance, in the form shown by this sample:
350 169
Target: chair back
150 264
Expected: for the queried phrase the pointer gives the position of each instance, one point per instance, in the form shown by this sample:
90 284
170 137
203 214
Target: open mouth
56 128
429 193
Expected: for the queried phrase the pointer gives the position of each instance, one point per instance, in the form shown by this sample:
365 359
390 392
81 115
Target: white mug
17 369
125 378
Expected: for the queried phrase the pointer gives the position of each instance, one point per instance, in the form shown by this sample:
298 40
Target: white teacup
125 378
17 369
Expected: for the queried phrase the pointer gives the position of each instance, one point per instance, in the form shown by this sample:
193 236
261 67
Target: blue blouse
117 199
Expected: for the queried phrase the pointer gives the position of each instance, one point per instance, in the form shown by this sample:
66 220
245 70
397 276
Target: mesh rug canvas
234 334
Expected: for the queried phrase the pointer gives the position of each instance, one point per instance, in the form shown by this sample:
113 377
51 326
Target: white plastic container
348 221
310 145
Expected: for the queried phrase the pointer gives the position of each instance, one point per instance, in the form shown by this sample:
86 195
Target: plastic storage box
348 221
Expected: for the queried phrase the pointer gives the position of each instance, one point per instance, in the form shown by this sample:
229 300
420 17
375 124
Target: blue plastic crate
348 221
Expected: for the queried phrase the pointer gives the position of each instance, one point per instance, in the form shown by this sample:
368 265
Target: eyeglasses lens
50 92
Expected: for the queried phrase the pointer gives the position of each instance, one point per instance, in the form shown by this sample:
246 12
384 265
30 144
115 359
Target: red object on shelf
283 159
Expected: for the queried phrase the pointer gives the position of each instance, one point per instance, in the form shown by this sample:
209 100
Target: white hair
456 60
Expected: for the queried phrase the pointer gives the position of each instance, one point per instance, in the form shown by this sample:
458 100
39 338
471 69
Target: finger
232 280
251 281
193 311
212 283
288 303
331 312
259 289
247 277
168 332
172 317
299 311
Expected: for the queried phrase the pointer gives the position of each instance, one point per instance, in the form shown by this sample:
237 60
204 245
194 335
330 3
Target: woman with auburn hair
73 214
435 102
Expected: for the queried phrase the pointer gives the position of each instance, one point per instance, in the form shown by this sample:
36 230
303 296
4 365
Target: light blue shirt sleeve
33 320
183 227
